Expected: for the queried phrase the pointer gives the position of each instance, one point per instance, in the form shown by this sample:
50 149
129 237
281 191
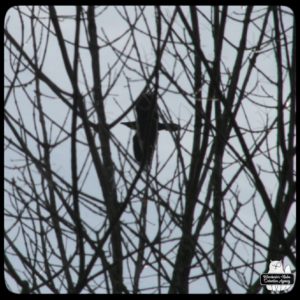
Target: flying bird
147 127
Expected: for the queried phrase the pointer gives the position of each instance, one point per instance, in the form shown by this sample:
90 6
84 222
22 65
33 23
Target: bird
147 127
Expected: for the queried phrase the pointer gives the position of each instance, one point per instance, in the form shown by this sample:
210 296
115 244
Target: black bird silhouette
147 127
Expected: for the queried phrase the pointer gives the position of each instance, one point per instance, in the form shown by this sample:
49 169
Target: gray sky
111 25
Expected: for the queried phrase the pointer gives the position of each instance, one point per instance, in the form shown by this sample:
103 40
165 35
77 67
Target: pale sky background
113 26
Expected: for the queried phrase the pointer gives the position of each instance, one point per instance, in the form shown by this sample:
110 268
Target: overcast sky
111 25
